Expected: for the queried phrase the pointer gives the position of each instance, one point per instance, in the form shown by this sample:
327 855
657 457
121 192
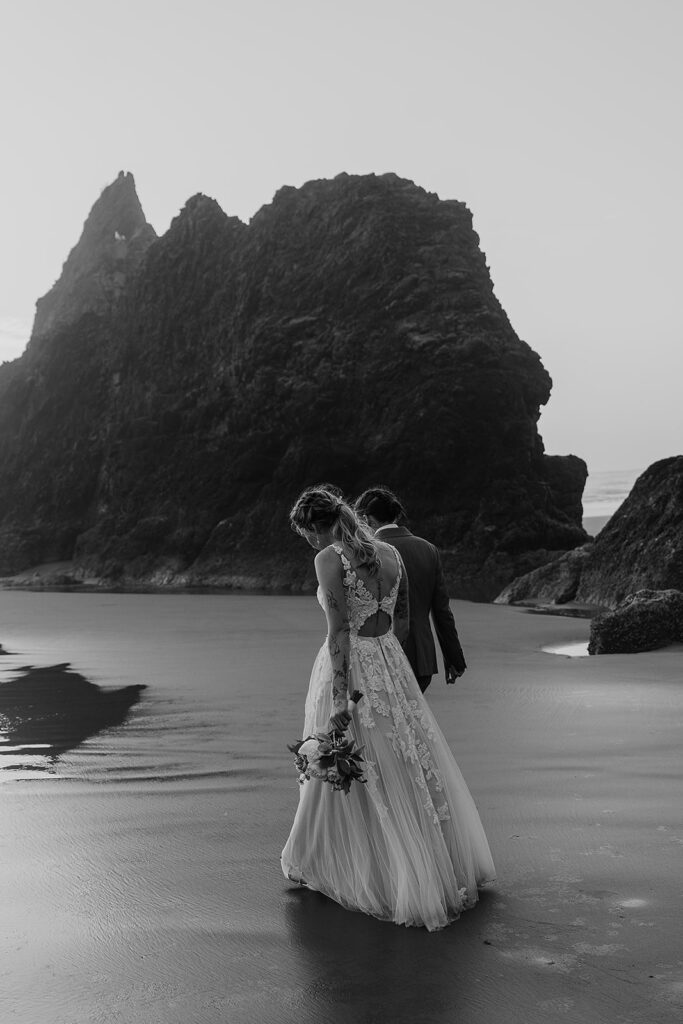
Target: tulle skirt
407 846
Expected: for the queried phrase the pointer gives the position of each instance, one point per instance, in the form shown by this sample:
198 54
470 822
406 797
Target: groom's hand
453 673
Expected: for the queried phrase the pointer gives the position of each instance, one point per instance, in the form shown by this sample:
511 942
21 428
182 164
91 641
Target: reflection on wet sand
49 710
386 972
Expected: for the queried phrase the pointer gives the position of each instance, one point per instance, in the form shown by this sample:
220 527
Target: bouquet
330 756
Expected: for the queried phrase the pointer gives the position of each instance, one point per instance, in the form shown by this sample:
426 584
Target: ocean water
606 489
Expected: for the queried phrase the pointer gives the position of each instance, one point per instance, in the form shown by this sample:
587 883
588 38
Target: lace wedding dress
408 846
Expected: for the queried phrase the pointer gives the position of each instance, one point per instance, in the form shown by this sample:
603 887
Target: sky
558 124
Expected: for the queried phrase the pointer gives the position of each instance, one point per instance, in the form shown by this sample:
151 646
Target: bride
408 846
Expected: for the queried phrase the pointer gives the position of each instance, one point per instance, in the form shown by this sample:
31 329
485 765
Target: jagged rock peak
116 211
199 212
201 223
114 239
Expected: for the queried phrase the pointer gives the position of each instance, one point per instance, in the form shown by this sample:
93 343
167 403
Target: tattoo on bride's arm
337 647
341 671
340 689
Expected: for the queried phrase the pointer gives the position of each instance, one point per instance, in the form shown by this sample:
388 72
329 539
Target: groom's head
379 506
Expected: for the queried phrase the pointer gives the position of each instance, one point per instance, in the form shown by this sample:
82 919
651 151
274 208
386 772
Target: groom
426 588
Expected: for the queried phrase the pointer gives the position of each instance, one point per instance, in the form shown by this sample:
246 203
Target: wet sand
140 878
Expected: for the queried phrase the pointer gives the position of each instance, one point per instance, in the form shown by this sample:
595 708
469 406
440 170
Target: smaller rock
644 621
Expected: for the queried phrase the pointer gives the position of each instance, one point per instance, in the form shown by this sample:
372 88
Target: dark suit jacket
427 593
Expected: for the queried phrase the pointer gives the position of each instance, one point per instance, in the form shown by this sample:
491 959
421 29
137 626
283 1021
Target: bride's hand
340 720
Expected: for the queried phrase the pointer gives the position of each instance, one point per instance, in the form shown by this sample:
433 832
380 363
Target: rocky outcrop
645 621
349 333
641 547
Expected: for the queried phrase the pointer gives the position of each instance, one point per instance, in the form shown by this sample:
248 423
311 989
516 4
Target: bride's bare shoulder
327 556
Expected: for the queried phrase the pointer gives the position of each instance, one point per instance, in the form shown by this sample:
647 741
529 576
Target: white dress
408 846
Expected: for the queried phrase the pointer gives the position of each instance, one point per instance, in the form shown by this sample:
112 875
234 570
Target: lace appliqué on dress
385 698
361 604
405 723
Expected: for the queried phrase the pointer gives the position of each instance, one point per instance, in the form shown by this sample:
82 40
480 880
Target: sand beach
140 877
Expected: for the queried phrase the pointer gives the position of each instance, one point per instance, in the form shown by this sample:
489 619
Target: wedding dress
408 845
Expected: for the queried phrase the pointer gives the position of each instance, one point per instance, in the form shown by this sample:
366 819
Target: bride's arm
328 571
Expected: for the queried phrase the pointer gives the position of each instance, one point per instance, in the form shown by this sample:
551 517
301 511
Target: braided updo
323 510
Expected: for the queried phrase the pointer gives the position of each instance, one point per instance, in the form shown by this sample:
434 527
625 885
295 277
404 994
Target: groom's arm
444 626
401 623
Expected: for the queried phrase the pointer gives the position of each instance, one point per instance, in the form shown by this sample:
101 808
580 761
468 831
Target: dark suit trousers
423 682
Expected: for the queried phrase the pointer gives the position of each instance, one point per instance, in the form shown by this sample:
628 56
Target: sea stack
179 392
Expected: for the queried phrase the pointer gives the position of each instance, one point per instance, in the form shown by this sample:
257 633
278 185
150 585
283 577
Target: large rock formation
348 333
640 548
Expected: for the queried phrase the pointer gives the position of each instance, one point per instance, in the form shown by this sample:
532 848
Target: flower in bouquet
331 757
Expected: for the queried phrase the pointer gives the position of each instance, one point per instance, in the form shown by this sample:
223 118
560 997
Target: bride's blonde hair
320 510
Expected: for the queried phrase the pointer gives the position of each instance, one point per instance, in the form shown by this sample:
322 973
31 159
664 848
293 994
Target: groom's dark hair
382 504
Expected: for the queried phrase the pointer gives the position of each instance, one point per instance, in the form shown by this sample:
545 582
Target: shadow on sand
52 709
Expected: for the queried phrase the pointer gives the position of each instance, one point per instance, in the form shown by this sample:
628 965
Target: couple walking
408 846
